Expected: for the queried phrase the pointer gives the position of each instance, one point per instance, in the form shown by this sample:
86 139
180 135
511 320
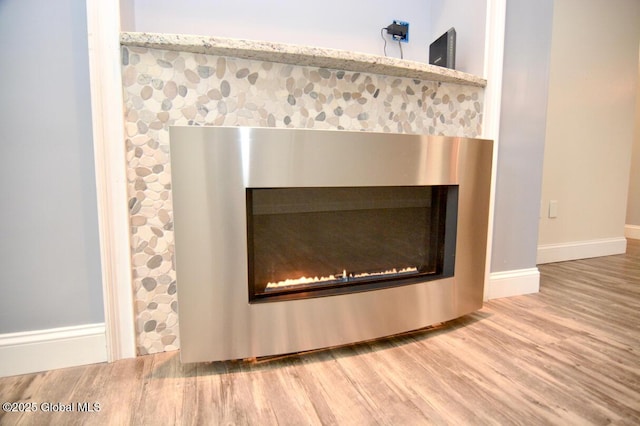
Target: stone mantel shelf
300 55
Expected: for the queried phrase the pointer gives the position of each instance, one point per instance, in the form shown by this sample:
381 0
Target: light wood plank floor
568 356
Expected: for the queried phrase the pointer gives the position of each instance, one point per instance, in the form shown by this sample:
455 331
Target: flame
291 282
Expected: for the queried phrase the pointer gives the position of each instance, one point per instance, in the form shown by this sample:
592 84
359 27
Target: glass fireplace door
310 242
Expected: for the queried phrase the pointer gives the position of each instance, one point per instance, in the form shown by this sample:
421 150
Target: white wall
591 114
468 17
348 25
633 206
49 250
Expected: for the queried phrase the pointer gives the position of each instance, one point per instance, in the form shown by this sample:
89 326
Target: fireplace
290 240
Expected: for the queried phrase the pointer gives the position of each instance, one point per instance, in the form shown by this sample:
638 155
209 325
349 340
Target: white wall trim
40 350
493 69
513 283
103 26
548 253
632 231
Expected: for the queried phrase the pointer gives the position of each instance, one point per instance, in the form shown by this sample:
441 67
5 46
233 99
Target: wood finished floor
569 355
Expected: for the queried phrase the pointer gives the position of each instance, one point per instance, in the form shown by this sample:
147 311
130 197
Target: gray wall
469 18
351 25
522 134
49 252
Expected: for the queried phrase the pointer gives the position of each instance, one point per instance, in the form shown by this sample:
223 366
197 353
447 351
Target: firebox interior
318 241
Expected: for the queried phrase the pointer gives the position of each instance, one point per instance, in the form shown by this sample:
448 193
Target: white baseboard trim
549 253
632 231
40 350
513 283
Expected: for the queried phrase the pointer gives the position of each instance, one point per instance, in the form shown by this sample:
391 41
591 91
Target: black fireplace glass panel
309 242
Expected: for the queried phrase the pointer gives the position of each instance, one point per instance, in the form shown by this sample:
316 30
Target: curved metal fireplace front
218 171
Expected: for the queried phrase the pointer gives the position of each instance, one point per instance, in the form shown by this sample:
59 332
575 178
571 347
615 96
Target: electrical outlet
399 31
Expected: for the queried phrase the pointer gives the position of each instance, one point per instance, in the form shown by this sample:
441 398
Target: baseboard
513 283
40 350
549 253
632 231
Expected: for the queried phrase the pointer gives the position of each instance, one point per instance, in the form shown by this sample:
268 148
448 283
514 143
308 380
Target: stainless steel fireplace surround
213 167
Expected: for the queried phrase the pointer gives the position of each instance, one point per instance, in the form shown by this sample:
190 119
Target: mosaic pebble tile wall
164 88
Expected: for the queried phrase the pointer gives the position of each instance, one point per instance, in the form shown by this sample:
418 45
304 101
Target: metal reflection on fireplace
319 241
